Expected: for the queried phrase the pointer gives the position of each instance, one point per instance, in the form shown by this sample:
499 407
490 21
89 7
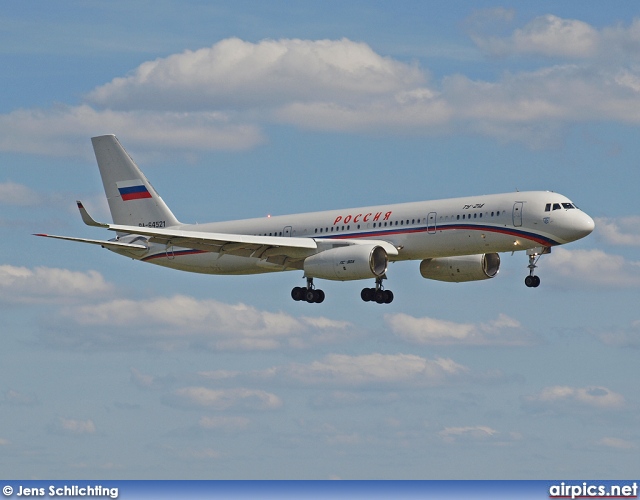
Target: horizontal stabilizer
111 245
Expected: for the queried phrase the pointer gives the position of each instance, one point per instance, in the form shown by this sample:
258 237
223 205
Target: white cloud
548 36
179 321
64 130
566 397
620 231
376 369
18 398
45 284
501 331
552 36
625 337
617 443
221 97
74 427
239 74
223 399
224 423
17 194
475 433
591 267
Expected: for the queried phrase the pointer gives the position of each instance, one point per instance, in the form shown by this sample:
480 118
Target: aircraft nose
584 225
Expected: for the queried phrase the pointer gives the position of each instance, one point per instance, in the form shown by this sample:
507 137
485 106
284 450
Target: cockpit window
558 206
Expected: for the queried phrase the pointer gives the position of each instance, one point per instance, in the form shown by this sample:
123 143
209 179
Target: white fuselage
420 230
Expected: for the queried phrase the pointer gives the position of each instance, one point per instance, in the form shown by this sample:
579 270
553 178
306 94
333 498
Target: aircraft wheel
367 294
310 296
536 282
298 293
528 281
380 296
318 296
388 296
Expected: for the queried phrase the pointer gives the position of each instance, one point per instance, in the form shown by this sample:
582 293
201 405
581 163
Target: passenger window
475 216
458 217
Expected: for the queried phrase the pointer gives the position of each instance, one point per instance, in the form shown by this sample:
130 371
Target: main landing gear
310 294
533 281
377 294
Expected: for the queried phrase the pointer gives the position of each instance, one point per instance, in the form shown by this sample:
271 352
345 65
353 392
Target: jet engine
353 262
463 268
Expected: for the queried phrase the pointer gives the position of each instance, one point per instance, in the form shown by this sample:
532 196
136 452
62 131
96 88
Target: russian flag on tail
133 190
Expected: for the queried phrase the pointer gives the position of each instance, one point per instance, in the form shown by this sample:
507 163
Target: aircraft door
431 223
517 213
286 231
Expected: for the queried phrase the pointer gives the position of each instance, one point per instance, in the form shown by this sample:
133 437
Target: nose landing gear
533 281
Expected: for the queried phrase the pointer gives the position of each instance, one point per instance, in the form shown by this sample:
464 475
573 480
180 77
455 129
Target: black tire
388 296
367 294
318 296
298 293
379 296
310 296
536 282
529 281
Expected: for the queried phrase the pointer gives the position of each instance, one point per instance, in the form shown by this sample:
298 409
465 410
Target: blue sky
111 368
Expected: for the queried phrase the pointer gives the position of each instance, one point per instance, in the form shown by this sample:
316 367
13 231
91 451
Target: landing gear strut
377 294
310 294
533 281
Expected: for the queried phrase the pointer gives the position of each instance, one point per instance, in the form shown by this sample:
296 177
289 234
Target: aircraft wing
236 244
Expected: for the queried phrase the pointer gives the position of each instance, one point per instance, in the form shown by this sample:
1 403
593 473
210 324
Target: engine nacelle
463 268
353 262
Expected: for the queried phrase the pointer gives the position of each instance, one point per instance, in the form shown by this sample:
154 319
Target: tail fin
132 199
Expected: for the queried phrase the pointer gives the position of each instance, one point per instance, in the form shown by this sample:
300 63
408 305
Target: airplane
455 240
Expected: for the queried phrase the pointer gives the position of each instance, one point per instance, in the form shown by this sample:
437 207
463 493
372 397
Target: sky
116 369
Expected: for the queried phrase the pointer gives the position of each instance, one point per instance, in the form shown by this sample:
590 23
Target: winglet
87 219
